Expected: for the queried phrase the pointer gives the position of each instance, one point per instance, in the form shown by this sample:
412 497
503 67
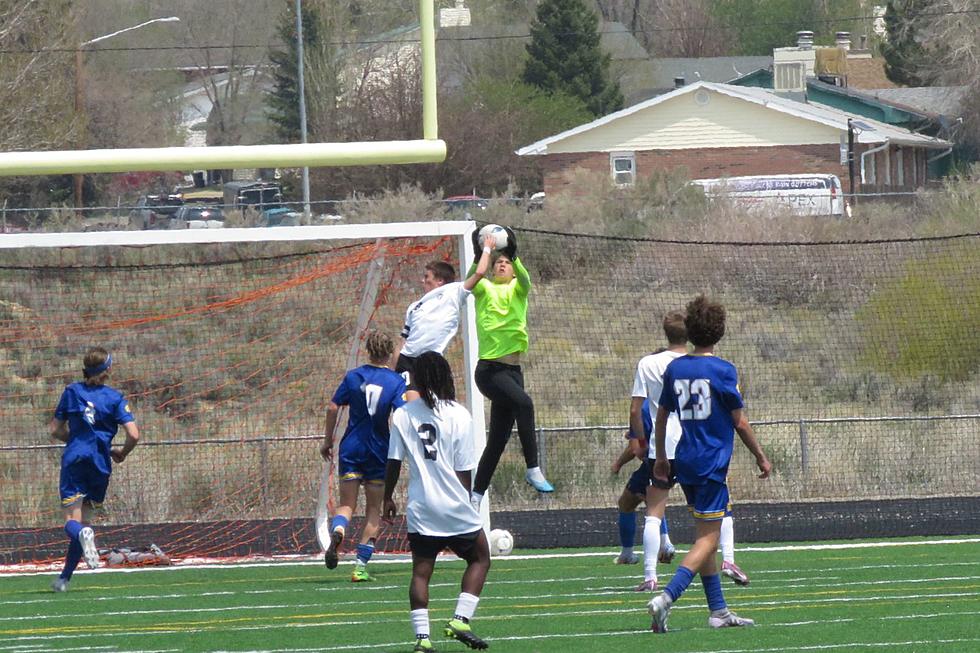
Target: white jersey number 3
693 398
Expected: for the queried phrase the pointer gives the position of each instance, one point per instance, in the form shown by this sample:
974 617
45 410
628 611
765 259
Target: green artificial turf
878 597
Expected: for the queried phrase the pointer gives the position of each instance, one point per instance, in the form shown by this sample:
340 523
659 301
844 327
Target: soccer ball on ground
499 234
501 542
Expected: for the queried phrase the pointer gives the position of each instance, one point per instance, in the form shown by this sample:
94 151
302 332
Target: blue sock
663 526
627 529
339 521
682 578
73 528
364 552
712 591
74 556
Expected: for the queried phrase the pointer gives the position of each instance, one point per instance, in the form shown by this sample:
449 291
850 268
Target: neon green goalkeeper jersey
501 314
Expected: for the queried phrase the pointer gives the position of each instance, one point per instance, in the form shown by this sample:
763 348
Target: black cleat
330 558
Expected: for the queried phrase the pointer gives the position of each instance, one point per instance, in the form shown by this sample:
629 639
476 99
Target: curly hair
433 378
379 346
705 321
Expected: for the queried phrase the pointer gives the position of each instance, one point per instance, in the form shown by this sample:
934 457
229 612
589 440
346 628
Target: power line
497 37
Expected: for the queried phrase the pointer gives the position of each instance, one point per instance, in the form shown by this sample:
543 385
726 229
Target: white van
803 194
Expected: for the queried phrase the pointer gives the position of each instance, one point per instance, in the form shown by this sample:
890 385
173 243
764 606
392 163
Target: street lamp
80 84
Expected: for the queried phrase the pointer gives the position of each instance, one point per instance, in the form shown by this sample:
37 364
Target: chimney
804 40
864 41
843 40
679 81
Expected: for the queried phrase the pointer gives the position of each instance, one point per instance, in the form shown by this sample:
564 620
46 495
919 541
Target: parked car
466 204
154 211
802 194
198 216
263 196
535 202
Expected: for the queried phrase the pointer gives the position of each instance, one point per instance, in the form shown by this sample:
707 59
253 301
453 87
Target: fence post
263 470
804 453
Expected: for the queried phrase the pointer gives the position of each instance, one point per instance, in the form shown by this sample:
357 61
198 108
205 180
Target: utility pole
301 87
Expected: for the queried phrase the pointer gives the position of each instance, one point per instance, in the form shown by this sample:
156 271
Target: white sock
651 547
727 539
420 620
535 474
466 605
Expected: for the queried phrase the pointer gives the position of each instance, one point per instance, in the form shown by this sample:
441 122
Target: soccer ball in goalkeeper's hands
501 542
499 234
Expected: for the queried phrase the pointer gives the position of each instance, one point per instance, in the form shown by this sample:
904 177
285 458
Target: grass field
892 595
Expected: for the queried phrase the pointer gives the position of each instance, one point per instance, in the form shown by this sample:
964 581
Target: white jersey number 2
693 398
427 432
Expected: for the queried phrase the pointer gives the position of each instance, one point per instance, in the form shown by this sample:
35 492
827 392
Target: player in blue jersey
88 416
703 390
635 493
372 392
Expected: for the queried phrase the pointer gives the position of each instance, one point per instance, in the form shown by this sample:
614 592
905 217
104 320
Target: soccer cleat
424 645
86 537
538 482
659 609
461 630
59 585
731 570
666 554
626 559
728 619
361 575
649 585
330 557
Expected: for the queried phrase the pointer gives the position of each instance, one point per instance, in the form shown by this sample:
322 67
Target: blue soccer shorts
639 480
708 502
83 481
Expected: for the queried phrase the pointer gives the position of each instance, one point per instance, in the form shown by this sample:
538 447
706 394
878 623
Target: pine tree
283 101
905 58
564 55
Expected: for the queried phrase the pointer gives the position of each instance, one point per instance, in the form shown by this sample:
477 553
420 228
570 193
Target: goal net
228 350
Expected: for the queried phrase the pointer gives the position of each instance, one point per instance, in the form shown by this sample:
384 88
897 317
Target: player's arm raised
482 265
747 435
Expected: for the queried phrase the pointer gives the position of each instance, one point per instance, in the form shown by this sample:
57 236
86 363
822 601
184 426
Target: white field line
200 563
625 587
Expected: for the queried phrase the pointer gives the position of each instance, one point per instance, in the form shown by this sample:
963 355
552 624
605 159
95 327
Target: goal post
229 344
428 149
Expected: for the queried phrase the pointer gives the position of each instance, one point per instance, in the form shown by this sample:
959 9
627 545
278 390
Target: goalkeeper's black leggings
503 385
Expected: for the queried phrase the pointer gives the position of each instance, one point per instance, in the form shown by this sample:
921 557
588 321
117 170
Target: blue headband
99 369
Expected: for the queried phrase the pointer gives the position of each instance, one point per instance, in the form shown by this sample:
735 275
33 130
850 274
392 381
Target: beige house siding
684 123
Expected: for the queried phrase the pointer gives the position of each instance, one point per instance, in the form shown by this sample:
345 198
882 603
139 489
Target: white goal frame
458 229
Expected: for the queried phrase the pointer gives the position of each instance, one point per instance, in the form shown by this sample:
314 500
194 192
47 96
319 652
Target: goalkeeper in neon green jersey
501 327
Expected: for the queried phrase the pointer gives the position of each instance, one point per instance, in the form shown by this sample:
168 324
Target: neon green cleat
461 631
424 645
361 575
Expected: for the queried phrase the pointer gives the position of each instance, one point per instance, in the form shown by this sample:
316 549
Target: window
623 166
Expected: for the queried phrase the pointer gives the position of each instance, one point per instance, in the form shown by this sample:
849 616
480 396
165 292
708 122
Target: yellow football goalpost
427 150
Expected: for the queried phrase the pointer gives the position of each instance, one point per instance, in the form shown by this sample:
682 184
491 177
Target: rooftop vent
804 39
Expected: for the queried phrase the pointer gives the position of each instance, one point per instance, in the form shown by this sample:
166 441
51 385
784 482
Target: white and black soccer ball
499 234
501 542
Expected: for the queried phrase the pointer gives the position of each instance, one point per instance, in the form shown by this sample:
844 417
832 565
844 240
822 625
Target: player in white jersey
435 435
432 321
647 385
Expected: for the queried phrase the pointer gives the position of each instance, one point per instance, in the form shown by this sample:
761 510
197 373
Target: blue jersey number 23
693 398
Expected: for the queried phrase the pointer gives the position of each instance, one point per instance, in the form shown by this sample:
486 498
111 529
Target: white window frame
899 166
622 156
871 172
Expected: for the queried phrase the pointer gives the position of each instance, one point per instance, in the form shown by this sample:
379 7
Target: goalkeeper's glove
511 250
